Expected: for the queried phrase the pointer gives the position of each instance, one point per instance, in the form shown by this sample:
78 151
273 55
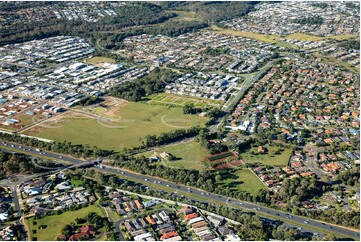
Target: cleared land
243 180
55 223
121 125
189 155
100 59
176 100
276 156
271 38
308 37
261 37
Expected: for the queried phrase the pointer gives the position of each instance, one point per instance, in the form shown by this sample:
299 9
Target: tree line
154 82
11 164
59 147
251 227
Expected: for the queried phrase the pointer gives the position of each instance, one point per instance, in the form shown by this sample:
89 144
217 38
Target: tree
189 108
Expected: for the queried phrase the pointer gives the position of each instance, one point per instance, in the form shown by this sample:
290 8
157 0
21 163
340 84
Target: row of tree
59 147
251 227
16 164
154 82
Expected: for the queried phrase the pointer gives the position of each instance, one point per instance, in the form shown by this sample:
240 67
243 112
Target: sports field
122 125
189 155
55 223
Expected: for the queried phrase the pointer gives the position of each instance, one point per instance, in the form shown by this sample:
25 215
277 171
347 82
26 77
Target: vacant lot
55 223
243 180
116 128
189 155
176 100
261 37
100 59
276 156
308 37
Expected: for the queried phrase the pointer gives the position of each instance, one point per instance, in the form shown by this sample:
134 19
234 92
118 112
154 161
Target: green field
244 180
270 158
176 100
100 59
185 15
127 127
56 222
308 37
189 155
269 38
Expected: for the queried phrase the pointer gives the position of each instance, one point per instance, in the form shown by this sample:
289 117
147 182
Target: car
122 172
277 214
207 194
158 182
168 185
254 208
155 181
202 193
258 208
145 179
60 157
240 203
188 188
306 222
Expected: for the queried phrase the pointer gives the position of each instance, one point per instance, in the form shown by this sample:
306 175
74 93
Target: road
241 91
201 196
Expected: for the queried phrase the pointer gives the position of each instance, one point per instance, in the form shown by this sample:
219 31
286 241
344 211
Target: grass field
185 15
244 180
100 59
56 222
270 38
270 158
188 155
172 99
123 127
308 37
334 61
261 37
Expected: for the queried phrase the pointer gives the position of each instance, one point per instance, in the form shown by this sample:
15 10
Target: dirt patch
113 105
229 165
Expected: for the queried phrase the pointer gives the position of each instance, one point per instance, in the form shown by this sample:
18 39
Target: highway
304 224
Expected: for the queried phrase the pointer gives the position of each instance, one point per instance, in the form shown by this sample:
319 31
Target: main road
290 220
